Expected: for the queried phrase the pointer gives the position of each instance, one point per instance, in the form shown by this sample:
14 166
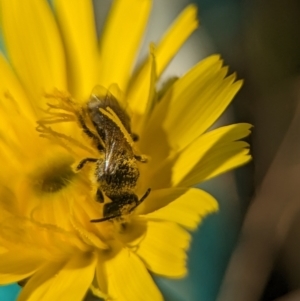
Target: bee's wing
113 148
113 91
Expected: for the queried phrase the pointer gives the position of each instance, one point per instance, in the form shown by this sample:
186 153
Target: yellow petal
159 198
76 21
51 210
61 281
120 40
140 98
176 36
33 42
196 100
82 212
217 162
163 248
17 265
3 250
211 105
211 154
18 232
97 292
128 278
14 130
10 89
172 41
187 209
8 199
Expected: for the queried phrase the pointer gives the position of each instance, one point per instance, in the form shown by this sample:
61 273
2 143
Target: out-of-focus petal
166 49
16 265
76 21
128 279
141 98
54 280
35 51
10 89
175 37
163 248
120 41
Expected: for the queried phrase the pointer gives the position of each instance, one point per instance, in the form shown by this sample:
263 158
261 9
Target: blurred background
249 251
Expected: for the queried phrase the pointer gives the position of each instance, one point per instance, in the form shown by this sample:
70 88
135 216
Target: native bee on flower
116 170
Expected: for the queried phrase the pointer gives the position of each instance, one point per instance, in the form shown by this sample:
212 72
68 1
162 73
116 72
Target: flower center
56 179
53 177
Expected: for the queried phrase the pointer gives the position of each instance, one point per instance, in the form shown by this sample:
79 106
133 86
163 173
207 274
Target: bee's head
121 204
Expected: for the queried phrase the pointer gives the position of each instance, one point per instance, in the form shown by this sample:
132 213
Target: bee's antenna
145 195
141 200
100 220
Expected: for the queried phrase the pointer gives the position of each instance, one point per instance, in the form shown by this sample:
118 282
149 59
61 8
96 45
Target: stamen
64 110
59 138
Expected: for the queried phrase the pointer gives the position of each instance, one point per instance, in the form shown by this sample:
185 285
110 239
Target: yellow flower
46 205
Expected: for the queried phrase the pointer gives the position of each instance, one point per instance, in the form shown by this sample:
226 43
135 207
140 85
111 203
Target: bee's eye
99 196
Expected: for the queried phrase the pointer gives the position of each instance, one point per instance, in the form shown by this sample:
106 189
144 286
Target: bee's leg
141 158
90 134
99 196
135 137
84 161
144 196
100 220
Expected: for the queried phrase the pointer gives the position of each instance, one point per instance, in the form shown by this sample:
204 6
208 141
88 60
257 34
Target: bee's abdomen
123 177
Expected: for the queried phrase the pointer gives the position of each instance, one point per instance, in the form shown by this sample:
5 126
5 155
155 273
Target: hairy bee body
116 169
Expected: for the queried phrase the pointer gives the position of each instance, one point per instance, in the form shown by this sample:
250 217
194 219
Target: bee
116 170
